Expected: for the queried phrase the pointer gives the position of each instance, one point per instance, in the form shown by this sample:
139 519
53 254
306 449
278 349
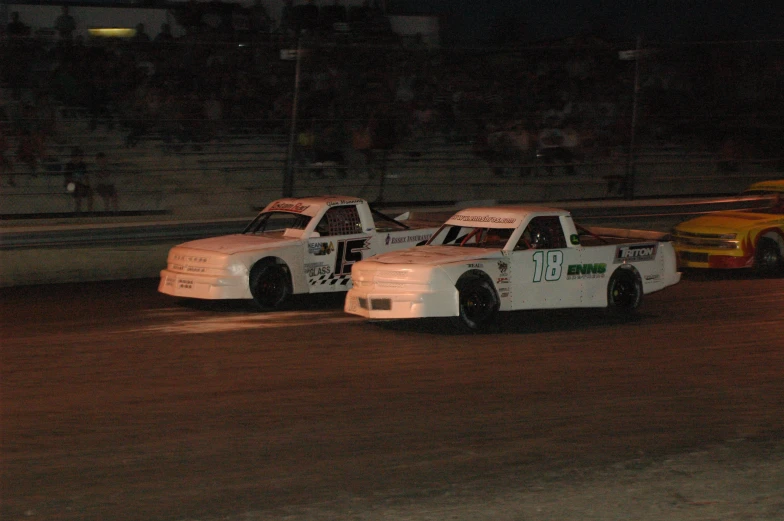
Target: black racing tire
478 305
270 285
624 293
768 261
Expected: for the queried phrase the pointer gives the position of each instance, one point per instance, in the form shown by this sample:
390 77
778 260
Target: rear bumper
204 287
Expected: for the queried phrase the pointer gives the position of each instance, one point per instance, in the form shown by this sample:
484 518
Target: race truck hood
435 255
726 222
237 243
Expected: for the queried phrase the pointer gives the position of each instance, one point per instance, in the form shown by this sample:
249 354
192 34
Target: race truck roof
501 216
310 205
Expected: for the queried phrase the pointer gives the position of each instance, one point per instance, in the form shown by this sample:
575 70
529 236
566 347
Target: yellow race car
738 238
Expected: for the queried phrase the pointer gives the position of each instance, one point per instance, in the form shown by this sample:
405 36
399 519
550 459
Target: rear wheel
624 293
270 285
767 260
478 305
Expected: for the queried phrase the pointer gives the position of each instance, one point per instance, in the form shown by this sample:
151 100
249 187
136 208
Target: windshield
267 222
471 237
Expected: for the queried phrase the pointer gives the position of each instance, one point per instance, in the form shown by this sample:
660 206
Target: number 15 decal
347 253
552 268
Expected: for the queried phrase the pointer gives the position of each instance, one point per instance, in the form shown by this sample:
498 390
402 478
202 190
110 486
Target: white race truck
486 260
295 245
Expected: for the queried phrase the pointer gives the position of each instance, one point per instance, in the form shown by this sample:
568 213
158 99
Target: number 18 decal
551 269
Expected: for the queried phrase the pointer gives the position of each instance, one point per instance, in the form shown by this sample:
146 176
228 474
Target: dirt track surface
122 404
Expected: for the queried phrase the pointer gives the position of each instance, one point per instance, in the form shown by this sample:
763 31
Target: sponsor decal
189 258
652 277
345 201
574 239
635 252
320 248
409 238
185 284
386 241
480 265
504 295
289 207
483 219
586 271
316 269
502 280
503 267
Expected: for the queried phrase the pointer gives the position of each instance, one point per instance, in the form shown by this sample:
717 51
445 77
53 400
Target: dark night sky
666 20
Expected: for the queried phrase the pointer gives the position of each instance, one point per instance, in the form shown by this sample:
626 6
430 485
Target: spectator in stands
288 25
551 149
65 24
331 15
77 181
362 142
164 38
6 165
260 22
328 146
310 16
15 28
105 187
729 155
140 36
30 149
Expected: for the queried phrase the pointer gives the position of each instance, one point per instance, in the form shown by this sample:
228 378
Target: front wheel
270 286
767 260
624 293
478 305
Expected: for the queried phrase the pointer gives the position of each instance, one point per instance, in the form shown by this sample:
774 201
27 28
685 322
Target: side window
542 233
497 237
341 220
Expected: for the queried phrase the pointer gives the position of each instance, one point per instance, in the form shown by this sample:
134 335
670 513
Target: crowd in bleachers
360 87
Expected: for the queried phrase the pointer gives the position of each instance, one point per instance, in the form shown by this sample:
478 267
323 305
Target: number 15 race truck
302 245
486 260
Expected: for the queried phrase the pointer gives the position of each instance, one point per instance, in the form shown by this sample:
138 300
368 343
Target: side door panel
329 261
329 258
543 266
540 279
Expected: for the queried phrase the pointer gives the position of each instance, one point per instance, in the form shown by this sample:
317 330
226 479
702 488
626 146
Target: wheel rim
769 259
477 307
271 288
624 293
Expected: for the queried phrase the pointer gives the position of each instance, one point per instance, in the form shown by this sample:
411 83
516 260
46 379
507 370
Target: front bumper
204 286
382 304
700 258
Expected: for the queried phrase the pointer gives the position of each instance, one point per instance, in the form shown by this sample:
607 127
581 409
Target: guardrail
85 252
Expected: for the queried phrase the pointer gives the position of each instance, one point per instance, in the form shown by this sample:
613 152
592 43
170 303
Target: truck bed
599 235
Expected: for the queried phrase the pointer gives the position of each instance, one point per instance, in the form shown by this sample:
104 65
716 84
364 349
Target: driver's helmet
539 239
